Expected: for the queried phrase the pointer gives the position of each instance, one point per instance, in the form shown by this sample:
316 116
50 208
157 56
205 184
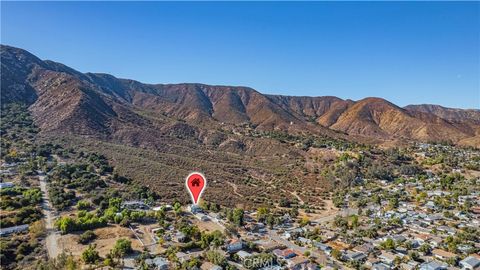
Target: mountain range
64 100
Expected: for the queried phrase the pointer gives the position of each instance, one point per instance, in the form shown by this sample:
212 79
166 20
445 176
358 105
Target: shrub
85 221
121 248
83 205
86 237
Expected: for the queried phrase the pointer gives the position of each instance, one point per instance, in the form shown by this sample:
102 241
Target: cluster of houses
420 225
288 243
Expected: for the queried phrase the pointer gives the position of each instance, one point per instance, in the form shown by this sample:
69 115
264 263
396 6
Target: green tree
177 207
115 203
121 248
425 248
304 222
65 224
452 261
262 213
414 255
393 203
216 257
388 244
83 205
237 216
354 221
340 222
336 254
376 199
62 262
90 255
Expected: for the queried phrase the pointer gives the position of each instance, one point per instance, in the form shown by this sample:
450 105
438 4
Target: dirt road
52 233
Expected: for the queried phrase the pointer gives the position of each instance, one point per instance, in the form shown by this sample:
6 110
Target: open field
106 238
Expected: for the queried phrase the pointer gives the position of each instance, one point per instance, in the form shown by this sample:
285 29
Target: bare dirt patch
328 210
106 238
207 225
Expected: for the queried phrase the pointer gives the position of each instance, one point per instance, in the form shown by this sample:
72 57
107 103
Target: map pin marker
195 184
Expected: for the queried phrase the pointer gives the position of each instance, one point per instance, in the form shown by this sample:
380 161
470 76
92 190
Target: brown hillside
67 101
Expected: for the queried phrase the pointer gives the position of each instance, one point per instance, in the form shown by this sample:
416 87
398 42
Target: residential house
421 238
158 263
433 265
297 262
446 229
242 255
267 245
401 251
323 247
304 241
470 263
234 245
180 237
387 257
465 248
371 261
443 254
435 241
254 226
380 266
397 238
7 172
354 256
135 205
328 235
410 265
202 217
158 208
194 209
6 185
294 233
184 257
284 254
14 229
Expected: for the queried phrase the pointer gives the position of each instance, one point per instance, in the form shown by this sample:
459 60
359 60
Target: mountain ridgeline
63 100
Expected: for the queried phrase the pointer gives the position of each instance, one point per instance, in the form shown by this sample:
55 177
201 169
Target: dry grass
106 238
206 225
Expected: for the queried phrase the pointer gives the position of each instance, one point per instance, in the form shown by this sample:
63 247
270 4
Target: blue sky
406 52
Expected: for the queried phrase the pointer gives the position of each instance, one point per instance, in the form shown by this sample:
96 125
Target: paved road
52 233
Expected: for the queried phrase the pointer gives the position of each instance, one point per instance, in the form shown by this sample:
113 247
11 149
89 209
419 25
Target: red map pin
196 184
